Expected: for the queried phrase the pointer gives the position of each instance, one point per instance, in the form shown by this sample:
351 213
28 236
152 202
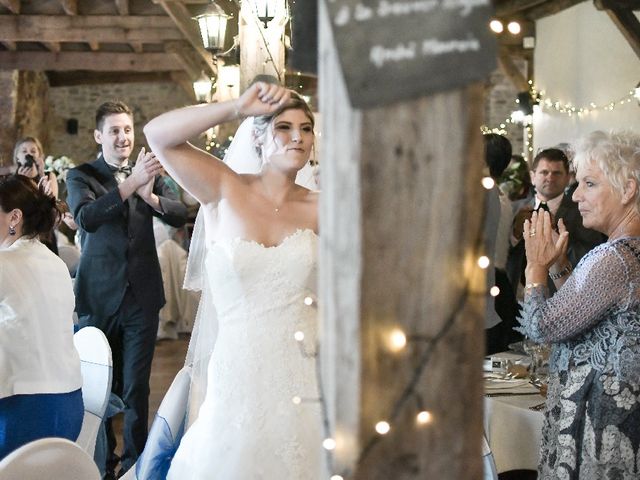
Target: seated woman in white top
40 380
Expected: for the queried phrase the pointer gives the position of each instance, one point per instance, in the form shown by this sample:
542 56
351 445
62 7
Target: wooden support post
261 49
401 221
70 6
12 5
629 25
123 7
511 70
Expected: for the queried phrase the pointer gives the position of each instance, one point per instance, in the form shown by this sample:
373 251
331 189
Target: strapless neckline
299 232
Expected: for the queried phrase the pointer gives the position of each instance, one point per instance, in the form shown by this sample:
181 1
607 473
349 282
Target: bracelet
565 271
236 109
531 286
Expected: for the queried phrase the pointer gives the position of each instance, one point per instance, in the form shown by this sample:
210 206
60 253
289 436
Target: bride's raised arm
201 174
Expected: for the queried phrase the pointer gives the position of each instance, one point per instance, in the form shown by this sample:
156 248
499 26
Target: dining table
513 417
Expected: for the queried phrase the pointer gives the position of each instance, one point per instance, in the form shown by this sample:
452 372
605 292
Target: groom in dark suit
550 177
118 284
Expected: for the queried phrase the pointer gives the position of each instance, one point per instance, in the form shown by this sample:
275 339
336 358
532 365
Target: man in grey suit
118 283
550 177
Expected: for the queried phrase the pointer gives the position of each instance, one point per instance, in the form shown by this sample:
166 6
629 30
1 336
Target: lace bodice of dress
248 426
246 277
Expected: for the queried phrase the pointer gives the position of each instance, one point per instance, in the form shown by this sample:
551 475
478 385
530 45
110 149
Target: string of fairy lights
544 103
570 110
396 341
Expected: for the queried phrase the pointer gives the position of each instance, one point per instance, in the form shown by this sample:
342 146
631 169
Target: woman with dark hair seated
40 381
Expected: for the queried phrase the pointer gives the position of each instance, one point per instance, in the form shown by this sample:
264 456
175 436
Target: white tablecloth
513 429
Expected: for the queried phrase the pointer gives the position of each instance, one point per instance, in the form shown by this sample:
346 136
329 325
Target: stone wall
500 102
146 100
45 111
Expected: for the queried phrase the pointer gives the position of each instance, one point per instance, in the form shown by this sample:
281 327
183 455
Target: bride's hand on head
261 99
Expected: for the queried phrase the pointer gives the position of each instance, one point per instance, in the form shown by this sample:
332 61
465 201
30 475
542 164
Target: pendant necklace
276 207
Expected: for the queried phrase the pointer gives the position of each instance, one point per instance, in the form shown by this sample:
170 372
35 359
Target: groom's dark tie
543 206
120 173
125 169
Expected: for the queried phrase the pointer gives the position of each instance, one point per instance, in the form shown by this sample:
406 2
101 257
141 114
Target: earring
12 230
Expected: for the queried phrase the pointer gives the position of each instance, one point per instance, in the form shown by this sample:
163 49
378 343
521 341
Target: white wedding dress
249 427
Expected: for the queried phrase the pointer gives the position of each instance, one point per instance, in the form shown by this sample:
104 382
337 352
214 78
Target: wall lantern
212 23
202 88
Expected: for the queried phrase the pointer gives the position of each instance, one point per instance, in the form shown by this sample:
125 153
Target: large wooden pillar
23 111
261 49
401 219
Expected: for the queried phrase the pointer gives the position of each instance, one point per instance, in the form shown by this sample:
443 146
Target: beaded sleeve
595 316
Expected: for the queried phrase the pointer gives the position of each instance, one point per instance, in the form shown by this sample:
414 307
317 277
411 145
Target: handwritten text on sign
392 50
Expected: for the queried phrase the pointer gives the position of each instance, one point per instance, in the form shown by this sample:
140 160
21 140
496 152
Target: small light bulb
423 417
496 26
494 291
308 301
299 336
383 428
296 400
514 28
517 116
329 444
398 340
483 261
336 477
488 183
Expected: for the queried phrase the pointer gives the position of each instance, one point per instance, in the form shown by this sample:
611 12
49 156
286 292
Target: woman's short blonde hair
25 140
616 153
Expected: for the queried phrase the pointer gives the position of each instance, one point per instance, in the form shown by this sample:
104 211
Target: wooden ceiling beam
613 4
182 18
94 46
548 8
629 26
52 46
511 70
136 47
190 2
90 28
515 7
92 61
12 5
72 78
190 61
182 79
123 7
70 7
9 45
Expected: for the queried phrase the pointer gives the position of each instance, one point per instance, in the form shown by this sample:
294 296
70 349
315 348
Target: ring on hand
532 233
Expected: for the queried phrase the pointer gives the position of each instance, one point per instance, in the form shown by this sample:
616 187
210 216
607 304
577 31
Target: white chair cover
165 433
96 366
179 311
51 459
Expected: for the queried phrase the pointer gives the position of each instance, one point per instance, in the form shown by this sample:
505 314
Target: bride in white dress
259 264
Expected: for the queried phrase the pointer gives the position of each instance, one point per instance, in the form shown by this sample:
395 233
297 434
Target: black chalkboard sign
393 50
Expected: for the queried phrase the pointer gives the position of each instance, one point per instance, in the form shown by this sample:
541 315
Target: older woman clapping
40 380
592 424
